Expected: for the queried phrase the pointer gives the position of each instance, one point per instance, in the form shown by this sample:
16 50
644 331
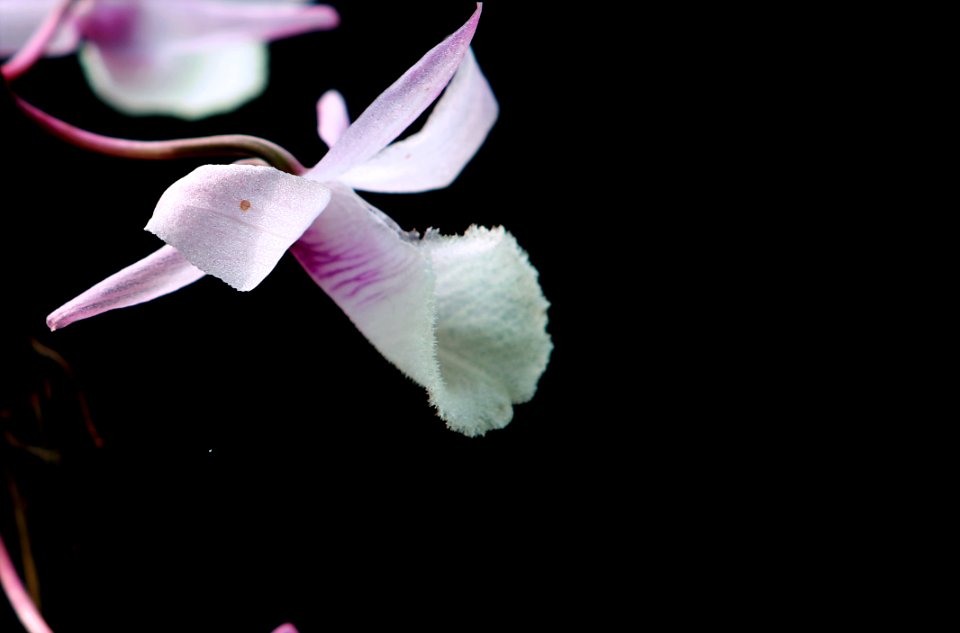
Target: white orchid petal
435 156
235 221
462 316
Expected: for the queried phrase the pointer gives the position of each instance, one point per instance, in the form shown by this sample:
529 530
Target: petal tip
57 320
330 13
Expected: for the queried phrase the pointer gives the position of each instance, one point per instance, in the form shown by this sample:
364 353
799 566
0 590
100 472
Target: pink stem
36 46
29 616
223 145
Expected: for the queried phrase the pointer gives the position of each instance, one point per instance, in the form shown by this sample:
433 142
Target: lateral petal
154 276
235 221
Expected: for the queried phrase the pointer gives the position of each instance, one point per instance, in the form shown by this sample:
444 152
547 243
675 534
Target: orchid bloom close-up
462 316
185 58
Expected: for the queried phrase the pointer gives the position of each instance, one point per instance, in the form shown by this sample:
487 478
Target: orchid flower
462 316
27 611
186 58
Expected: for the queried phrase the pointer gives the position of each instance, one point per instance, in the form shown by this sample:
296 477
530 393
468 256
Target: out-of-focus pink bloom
22 605
186 58
27 612
463 316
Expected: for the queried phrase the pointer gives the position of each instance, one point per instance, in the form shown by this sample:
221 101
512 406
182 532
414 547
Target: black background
261 462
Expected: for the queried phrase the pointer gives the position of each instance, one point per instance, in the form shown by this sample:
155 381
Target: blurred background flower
184 58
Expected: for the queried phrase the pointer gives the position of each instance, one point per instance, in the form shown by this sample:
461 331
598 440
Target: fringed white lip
462 316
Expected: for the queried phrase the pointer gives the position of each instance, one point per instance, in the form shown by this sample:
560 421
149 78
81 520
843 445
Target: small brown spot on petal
244 205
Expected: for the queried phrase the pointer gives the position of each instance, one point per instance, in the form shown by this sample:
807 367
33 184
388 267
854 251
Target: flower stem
26 551
222 145
36 46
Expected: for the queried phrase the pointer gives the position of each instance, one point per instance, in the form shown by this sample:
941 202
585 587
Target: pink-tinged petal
435 156
149 27
462 316
285 628
235 221
26 611
399 105
211 22
20 18
332 117
161 273
188 85
377 276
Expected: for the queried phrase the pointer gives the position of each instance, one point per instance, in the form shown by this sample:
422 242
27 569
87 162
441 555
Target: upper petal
399 105
235 221
434 157
20 18
154 276
462 316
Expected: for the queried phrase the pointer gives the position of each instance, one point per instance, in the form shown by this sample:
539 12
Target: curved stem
26 550
36 46
259 162
223 145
